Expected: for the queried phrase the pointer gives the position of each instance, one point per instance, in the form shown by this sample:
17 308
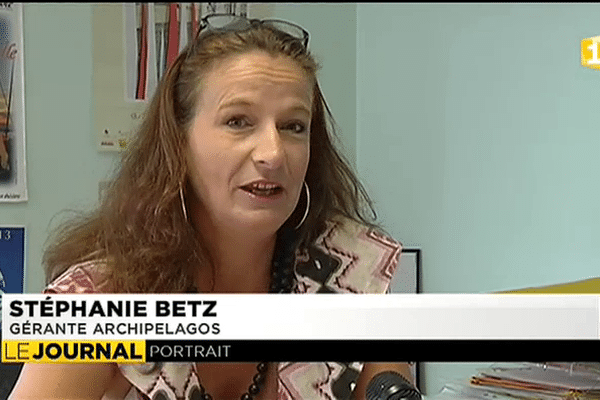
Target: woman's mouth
263 189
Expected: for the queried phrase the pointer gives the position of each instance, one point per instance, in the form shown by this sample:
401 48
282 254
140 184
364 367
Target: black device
391 385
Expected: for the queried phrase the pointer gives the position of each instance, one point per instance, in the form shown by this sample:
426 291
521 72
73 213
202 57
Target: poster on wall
133 46
12 260
13 179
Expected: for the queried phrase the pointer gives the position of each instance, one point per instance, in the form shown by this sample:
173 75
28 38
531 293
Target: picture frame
407 279
131 51
13 166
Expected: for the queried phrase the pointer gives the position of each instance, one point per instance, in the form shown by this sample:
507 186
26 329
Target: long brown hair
140 231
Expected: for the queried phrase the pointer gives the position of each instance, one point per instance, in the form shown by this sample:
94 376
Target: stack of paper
529 381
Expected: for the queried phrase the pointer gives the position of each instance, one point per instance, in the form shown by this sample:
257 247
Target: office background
472 125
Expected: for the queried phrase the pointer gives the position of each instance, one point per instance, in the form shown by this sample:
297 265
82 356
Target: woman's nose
269 151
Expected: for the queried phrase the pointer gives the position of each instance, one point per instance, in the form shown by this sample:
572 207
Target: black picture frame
407 279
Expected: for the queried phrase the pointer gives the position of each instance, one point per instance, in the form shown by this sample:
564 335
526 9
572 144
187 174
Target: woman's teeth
264 192
263 189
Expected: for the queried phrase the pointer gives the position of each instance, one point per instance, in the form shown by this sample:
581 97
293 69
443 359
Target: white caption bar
309 316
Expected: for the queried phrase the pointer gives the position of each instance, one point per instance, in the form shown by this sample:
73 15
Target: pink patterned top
347 258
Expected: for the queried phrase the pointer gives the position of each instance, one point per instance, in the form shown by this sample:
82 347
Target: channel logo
590 54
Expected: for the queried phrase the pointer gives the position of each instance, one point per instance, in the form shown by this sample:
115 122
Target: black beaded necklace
282 281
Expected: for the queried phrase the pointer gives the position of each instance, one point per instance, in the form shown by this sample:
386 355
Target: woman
215 196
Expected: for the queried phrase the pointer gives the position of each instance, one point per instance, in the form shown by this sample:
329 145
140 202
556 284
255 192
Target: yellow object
586 286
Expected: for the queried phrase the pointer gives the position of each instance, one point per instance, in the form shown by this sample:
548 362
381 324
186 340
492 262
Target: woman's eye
295 127
237 122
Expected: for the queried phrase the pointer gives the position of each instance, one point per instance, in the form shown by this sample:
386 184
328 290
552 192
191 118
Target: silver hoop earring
307 206
183 208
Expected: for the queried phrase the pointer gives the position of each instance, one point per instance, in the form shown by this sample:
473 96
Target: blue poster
12 260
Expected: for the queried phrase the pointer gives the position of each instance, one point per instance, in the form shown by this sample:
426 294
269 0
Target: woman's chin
260 222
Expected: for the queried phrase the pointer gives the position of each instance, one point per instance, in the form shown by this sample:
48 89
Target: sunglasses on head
238 23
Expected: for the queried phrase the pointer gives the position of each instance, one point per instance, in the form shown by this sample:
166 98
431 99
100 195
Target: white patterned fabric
346 258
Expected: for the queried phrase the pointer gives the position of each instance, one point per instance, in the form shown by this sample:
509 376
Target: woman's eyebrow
301 106
235 102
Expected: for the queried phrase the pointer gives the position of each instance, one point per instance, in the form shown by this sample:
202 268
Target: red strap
194 21
140 92
173 46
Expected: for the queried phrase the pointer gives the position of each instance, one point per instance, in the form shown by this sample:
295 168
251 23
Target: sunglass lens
232 22
290 29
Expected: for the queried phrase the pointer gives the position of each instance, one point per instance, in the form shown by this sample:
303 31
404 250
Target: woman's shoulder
352 233
348 257
86 277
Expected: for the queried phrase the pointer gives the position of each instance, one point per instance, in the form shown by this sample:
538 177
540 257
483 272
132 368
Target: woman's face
249 142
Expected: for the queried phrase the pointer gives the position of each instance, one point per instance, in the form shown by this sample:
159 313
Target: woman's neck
240 256
240 265
240 261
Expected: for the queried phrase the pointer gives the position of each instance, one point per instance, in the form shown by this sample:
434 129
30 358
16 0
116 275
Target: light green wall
476 133
332 30
63 166
477 136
